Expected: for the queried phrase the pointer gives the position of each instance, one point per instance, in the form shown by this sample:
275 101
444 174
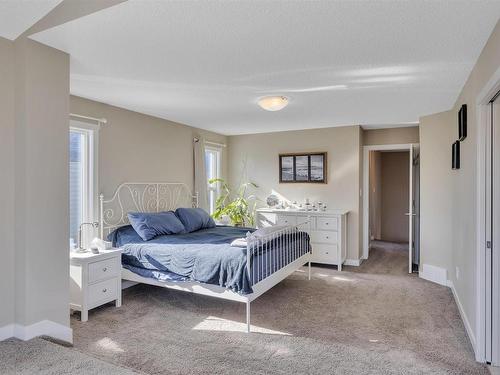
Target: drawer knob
327 252
104 290
104 269
327 237
326 223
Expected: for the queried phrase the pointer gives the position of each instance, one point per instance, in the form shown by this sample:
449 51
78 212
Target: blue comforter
205 256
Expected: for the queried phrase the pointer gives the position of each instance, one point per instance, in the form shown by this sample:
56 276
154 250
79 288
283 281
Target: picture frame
308 167
455 155
462 123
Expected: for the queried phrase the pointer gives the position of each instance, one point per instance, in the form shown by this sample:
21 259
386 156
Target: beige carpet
359 321
42 357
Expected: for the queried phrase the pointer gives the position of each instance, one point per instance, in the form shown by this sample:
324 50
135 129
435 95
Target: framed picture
455 155
304 167
462 122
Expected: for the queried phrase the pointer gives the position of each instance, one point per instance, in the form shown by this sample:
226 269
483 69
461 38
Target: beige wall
452 219
436 203
41 184
391 136
395 176
7 120
138 148
375 176
255 158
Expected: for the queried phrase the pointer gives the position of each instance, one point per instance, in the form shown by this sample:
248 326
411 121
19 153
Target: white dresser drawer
103 269
266 219
327 237
102 292
286 219
327 223
325 253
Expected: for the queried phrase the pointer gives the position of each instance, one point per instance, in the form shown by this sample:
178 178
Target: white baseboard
435 274
42 328
353 262
465 320
6 332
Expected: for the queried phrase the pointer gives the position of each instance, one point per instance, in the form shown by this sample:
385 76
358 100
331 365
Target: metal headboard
142 197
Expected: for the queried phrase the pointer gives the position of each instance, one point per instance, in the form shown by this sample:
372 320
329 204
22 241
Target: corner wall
255 158
7 129
453 242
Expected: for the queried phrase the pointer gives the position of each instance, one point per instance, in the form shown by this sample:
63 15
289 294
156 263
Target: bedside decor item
272 200
462 123
455 151
304 167
235 205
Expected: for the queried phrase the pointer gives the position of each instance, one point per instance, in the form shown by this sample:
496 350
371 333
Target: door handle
408 214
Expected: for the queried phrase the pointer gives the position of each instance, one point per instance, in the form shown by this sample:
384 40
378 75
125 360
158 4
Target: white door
493 237
411 213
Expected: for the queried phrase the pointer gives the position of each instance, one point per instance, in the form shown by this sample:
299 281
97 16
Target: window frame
90 206
215 188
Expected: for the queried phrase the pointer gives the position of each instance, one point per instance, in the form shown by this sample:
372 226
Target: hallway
388 258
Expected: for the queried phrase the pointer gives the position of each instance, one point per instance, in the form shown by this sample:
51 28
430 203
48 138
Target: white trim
6 332
465 320
42 328
82 117
435 274
482 100
366 187
353 262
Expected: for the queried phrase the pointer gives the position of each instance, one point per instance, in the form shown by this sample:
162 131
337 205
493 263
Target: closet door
495 232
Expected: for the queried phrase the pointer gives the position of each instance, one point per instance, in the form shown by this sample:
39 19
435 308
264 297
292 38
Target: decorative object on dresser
303 167
327 229
95 280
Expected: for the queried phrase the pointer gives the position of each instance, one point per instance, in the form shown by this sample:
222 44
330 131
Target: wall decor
303 167
455 158
462 122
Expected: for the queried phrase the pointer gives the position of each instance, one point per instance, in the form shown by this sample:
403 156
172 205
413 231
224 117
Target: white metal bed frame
268 271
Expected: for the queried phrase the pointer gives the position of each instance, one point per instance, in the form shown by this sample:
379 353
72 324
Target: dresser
95 279
327 230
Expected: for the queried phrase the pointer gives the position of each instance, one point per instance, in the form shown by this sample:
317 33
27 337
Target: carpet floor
42 357
372 319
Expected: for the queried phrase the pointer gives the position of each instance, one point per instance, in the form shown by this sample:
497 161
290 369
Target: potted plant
236 205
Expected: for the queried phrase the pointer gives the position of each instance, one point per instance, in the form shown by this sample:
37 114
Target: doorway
391 186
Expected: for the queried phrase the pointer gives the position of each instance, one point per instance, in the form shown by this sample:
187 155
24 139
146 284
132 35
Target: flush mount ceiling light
273 103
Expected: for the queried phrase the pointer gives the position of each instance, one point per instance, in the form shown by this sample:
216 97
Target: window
82 179
213 169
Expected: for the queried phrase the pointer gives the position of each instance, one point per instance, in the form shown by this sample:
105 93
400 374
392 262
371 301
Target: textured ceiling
16 16
206 63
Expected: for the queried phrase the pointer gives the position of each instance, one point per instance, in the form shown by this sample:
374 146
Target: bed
200 262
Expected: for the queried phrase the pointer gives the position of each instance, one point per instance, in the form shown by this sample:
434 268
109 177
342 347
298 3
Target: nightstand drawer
103 269
327 223
102 292
324 237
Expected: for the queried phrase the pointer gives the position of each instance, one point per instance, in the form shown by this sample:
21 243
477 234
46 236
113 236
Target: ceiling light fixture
273 103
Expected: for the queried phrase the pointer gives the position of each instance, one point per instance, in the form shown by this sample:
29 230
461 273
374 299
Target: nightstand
95 279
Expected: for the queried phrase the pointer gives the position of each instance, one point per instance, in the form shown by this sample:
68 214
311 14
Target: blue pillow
149 225
194 219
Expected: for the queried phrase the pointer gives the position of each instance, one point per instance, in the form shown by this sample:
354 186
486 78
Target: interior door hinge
488 244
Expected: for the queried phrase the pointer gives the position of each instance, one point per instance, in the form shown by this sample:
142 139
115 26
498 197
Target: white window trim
218 173
91 186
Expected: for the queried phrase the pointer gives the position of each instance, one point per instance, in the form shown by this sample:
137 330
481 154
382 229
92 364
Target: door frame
483 174
366 186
